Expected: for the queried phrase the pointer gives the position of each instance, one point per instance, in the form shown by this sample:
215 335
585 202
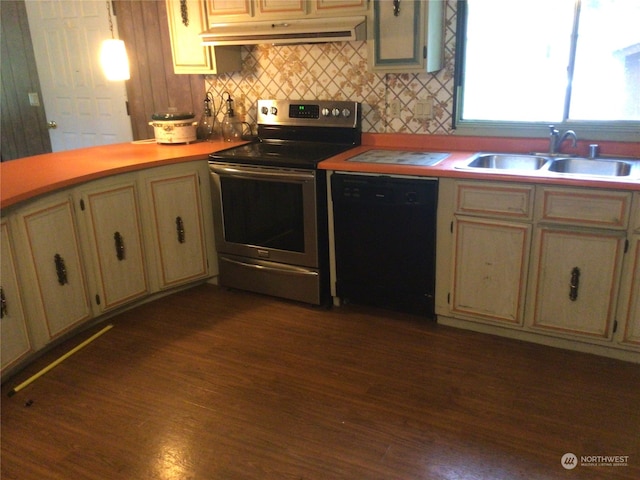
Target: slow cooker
174 127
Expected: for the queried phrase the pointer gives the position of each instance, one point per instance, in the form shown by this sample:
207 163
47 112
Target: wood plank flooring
212 383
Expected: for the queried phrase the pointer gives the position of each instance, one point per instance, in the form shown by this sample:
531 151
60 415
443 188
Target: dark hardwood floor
217 384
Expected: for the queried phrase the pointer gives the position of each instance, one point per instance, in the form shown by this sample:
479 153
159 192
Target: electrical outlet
423 109
394 108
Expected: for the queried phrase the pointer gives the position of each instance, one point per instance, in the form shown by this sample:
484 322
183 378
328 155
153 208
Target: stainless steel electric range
270 199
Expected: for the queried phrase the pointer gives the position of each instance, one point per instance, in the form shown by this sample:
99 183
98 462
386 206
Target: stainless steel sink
505 161
587 166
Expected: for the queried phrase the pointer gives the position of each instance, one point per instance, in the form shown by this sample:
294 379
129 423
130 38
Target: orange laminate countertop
28 177
461 149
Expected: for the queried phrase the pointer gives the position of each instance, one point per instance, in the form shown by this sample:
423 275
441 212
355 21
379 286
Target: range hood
312 30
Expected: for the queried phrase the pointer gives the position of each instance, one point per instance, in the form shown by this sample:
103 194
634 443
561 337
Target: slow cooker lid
172 116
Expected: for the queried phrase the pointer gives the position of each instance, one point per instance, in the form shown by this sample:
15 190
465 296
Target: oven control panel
317 113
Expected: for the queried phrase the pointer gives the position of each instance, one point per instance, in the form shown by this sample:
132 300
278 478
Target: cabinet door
629 309
220 11
53 266
178 229
575 280
13 328
490 269
282 8
115 241
410 41
189 56
339 7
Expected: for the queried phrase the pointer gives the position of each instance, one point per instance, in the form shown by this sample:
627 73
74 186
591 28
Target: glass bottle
231 124
206 127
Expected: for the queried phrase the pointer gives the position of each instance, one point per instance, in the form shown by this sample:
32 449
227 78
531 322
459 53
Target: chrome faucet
555 139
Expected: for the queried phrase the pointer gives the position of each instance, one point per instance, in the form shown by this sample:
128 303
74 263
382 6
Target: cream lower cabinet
52 276
577 262
575 282
491 238
109 213
14 337
176 203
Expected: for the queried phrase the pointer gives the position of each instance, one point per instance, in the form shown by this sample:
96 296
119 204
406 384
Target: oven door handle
240 172
286 270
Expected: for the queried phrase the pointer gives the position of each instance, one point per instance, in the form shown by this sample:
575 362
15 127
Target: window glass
517 61
606 81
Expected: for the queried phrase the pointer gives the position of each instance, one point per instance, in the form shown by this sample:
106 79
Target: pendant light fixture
113 55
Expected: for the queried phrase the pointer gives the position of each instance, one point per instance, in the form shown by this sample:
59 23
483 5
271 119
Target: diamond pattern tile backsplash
339 71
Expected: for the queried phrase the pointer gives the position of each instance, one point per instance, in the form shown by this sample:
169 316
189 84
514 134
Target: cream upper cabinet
53 279
491 238
110 215
222 11
179 238
186 21
14 337
407 39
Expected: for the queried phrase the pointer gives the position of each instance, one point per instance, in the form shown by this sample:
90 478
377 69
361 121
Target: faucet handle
553 130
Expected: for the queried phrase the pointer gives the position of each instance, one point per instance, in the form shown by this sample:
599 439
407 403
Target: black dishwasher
385 241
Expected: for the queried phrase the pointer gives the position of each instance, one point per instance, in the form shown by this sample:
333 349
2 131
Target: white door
87 109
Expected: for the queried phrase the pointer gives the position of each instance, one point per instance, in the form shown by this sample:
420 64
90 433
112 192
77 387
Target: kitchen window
521 66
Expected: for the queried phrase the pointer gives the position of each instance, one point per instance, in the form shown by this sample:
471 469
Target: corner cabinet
14 337
103 246
408 39
187 20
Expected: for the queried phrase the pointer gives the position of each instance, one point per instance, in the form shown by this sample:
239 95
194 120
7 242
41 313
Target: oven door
266 213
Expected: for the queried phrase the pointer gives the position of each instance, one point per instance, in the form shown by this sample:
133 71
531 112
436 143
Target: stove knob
265 110
325 112
346 112
335 112
274 111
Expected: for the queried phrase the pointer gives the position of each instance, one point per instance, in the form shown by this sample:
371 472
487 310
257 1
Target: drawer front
606 209
494 199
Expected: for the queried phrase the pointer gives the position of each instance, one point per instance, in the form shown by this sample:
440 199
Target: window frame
624 130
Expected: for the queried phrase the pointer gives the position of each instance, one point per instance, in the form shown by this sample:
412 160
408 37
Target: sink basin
505 161
585 166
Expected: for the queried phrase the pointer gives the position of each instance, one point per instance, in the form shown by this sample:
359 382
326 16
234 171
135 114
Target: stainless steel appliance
270 200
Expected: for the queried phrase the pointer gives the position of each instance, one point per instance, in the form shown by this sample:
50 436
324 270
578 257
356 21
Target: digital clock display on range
304 111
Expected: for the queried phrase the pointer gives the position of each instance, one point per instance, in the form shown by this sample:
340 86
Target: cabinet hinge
626 245
126 106
97 299
424 51
82 204
615 326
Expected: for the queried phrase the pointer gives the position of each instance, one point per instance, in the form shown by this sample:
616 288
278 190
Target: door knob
52 125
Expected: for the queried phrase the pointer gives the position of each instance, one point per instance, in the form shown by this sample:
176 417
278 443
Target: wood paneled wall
23 127
153 86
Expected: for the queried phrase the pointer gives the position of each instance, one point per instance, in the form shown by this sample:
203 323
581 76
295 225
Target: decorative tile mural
340 71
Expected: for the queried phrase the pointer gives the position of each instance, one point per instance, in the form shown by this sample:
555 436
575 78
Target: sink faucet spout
556 140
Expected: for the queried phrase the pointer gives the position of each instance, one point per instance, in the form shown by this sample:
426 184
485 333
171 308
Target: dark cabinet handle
396 8
180 229
574 284
119 242
3 304
61 270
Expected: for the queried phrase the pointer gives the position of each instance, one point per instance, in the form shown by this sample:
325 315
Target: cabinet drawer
494 199
605 209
